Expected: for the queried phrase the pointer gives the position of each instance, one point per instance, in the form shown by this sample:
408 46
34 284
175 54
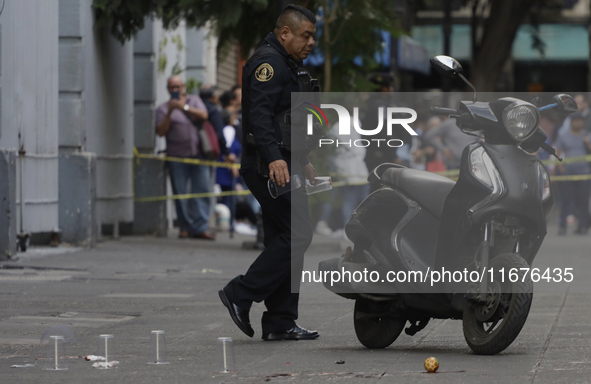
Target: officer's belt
288 118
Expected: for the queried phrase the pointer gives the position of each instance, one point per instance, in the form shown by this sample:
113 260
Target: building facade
74 102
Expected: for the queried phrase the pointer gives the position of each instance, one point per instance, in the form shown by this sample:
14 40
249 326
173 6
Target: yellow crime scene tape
570 177
190 196
452 174
209 163
569 160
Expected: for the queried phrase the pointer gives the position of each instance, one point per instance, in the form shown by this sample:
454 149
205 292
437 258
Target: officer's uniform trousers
288 233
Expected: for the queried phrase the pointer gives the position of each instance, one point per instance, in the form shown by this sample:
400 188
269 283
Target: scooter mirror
566 103
447 66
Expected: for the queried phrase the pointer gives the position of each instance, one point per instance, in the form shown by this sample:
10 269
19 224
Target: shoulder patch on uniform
264 72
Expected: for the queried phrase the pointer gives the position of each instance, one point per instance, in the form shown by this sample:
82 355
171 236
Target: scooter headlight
521 119
544 182
484 170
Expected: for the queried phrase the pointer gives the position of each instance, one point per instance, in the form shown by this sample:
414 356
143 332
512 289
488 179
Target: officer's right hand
278 172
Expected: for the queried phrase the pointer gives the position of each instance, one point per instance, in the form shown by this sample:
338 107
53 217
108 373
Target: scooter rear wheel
374 328
491 327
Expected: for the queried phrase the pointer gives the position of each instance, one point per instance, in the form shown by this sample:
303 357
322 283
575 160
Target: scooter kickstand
416 326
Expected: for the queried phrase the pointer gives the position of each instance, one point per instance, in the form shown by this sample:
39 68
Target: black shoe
240 316
296 333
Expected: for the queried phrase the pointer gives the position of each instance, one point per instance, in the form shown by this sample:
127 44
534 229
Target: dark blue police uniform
269 78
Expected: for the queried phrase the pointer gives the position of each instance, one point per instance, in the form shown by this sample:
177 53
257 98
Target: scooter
489 224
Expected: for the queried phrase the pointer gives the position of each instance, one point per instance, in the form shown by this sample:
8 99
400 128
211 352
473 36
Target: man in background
178 120
583 107
211 98
448 139
573 143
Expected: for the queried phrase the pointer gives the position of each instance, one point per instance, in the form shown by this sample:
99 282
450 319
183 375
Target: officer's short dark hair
293 14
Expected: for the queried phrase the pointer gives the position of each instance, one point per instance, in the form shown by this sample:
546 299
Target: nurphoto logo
394 116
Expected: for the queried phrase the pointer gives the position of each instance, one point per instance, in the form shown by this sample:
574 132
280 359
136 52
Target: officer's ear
285 32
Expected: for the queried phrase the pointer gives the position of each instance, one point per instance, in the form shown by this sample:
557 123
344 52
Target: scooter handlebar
443 111
548 148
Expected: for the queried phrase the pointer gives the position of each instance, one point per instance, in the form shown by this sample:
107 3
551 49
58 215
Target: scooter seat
428 189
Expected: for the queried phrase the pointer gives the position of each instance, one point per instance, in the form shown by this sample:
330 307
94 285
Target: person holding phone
178 120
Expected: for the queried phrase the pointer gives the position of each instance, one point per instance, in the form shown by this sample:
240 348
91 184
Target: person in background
382 154
210 96
583 107
573 143
237 103
228 180
427 155
348 165
226 177
231 101
178 120
228 103
448 138
237 90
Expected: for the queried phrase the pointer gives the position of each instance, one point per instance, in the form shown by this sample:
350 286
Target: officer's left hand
279 172
310 173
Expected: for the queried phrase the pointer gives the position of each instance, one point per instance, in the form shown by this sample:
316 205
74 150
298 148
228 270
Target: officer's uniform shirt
271 83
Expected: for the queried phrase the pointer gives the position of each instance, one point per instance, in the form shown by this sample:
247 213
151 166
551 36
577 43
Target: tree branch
339 30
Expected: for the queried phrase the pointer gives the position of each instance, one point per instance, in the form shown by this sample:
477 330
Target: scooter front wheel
375 327
492 326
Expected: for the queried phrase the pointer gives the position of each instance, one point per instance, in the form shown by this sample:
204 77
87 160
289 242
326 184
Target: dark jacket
268 82
215 118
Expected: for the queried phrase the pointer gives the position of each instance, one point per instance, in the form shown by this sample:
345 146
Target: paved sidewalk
137 284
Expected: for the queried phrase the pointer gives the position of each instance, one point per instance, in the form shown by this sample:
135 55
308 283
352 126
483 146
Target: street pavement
133 285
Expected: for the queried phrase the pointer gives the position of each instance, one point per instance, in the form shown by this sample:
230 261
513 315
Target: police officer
269 77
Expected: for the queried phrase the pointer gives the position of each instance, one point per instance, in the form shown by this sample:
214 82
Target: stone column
7 203
149 175
77 168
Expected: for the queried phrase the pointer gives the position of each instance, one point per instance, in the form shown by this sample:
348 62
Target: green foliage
177 69
176 39
162 61
191 85
125 17
246 21
354 27
355 32
163 44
